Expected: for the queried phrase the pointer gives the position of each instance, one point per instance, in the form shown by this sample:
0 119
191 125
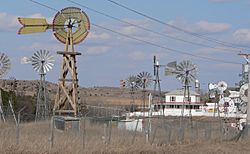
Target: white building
175 99
178 96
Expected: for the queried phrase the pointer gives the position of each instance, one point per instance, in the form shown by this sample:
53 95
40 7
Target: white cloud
202 26
242 36
37 46
96 36
138 55
96 50
210 27
8 22
25 60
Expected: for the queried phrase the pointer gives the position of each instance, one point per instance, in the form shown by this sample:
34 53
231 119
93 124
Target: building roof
180 92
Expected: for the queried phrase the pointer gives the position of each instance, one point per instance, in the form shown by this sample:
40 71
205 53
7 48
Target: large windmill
185 72
42 62
4 68
70 26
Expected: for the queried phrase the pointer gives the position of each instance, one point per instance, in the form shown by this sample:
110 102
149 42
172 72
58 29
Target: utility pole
246 56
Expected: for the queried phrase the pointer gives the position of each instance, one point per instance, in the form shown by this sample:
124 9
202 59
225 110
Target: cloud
98 36
96 50
242 36
25 60
8 22
53 47
202 26
210 27
138 55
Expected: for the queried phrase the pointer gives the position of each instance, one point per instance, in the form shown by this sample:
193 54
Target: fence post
133 139
52 132
18 128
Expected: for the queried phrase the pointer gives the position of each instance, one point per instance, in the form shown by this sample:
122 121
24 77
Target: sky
108 57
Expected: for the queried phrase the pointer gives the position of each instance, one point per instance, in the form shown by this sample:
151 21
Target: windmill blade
186 72
132 82
42 61
144 79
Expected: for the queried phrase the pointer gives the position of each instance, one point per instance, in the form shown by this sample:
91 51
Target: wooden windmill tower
70 26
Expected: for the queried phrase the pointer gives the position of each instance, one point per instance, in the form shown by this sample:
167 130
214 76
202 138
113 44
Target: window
187 100
172 99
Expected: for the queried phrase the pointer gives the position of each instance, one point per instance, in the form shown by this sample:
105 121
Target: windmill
157 78
218 89
4 68
132 84
42 62
144 81
185 72
70 27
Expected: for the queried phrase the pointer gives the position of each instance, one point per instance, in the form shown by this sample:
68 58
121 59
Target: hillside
104 96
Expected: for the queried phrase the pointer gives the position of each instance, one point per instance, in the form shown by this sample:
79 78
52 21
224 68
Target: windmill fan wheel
4 64
71 18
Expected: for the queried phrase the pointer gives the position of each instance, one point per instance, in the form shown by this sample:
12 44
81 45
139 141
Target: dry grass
34 139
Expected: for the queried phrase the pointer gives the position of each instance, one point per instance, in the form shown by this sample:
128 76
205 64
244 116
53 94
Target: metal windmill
4 68
132 84
42 62
70 26
185 72
157 79
144 81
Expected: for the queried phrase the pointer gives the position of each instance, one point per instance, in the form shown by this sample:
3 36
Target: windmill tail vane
33 25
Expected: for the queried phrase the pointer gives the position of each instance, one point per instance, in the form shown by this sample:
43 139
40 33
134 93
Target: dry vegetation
34 138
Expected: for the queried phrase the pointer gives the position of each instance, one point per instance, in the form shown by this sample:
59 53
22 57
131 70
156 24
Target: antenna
186 73
70 26
42 63
144 81
132 84
4 68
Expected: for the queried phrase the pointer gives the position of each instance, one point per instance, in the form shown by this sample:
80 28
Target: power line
149 30
166 48
227 44
150 43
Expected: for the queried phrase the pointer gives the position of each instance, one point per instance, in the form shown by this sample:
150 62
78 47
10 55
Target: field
36 138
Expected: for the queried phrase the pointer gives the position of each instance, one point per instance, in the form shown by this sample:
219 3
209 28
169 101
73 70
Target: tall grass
35 139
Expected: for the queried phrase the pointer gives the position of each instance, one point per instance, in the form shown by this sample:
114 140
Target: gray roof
180 92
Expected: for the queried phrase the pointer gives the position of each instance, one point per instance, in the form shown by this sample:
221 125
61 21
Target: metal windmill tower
185 72
144 81
42 63
157 79
132 84
4 68
70 26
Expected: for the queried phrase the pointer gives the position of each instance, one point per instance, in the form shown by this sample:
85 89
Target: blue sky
108 57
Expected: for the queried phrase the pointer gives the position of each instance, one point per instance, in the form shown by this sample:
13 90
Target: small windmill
4 68
132 84
42 62
185 72
70 26
144 81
